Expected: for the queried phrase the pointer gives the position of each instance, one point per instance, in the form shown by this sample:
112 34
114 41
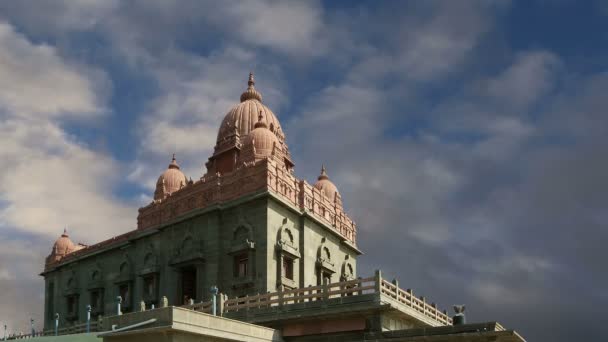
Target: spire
323 174
174 164
251 93
251 81
260 123
65 232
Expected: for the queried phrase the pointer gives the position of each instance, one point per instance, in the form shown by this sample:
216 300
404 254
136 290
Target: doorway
188 284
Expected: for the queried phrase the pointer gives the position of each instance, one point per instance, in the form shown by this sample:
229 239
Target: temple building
280 251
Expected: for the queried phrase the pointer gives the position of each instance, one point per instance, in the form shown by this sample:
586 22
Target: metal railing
73 329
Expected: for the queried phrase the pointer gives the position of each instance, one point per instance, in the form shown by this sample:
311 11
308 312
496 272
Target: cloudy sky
466 137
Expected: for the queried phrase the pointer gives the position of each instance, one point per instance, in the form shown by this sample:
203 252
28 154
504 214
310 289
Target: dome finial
174 164
251 93
323 174
251 81
260 123
65 232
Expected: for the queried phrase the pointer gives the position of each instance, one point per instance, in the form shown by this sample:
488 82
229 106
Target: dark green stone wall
206 240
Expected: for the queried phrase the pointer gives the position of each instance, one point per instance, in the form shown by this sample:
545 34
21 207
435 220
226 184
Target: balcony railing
388 293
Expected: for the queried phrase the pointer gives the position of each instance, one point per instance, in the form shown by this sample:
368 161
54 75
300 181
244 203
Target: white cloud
36 82
49 180
531 76
292 27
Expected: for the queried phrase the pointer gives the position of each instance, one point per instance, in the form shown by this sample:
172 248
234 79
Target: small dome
170 181
260 141
327 187
243 117
63 245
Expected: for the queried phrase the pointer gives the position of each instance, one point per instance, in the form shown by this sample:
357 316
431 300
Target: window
51 301
241 263
241 234
326 278
288 268
150 288
124 290
72 307
188 284
97 301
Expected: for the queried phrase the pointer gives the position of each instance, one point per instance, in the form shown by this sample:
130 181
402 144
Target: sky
468 139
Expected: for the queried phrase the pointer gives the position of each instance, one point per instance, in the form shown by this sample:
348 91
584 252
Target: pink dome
327 187
243 117
170 181
260 141
63 245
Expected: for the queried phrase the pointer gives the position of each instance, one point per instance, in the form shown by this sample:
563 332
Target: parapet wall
247 179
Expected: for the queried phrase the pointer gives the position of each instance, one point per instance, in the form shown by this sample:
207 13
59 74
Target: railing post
99 323
56 323
214 292
280 294
118 302
223 298
325 291
423 304
88 318
378 282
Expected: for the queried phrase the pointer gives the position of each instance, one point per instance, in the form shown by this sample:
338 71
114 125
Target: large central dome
243 117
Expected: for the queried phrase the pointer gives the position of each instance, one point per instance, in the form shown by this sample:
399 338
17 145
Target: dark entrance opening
188 284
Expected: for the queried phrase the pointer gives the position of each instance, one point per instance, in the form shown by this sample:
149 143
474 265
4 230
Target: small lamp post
32 327
118 302
88 318
56 323
214 291
5 337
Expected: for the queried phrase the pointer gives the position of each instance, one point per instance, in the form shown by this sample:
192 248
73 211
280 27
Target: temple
279 253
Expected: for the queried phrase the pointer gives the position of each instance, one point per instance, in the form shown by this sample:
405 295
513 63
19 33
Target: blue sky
467 138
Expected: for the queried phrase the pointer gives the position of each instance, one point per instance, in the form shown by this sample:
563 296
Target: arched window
241 234
187 244
326 254
287 236
149 260
124 268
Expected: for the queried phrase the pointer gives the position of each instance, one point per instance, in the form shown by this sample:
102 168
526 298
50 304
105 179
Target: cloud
51 180
21 289
36 82
475 173
295 28
531 76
